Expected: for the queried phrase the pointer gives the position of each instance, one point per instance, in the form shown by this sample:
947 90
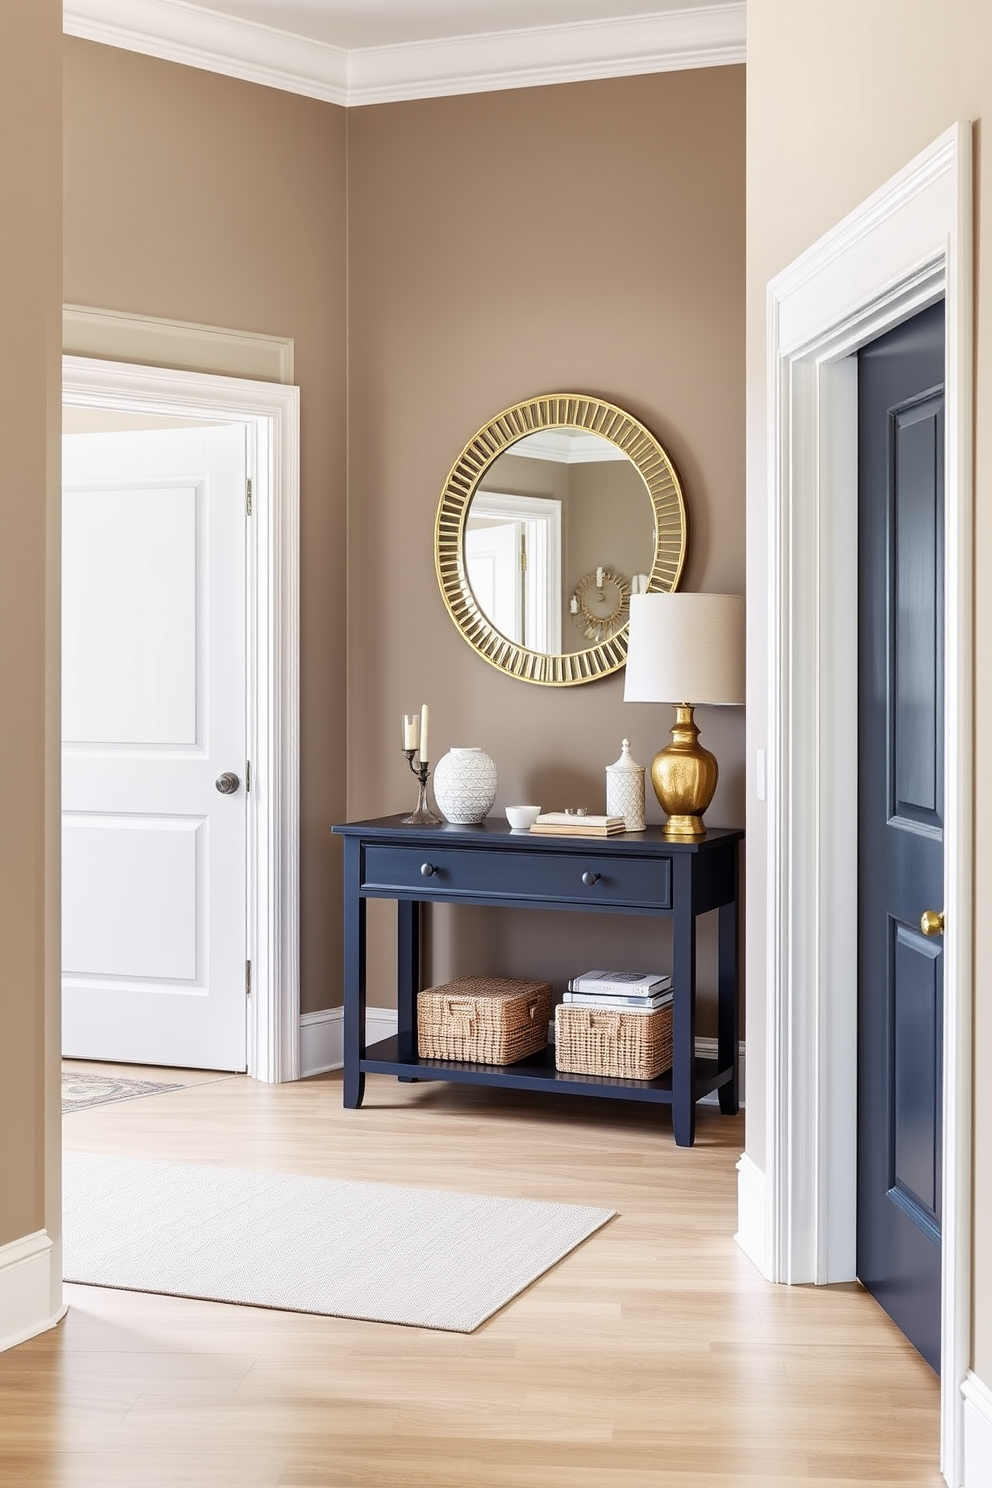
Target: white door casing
269 415
153 711
907 246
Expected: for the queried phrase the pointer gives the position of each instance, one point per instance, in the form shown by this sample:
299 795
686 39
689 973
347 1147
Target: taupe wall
30 317
619 272
200 198
840 96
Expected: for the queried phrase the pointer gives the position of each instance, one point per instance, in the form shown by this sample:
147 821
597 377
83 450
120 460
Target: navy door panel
900 822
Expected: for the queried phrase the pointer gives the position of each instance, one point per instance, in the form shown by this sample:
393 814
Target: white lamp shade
685 648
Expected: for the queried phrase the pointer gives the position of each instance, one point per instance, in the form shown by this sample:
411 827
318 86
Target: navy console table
642 873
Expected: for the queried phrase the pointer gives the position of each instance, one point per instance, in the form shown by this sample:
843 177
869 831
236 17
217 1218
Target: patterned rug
80 1091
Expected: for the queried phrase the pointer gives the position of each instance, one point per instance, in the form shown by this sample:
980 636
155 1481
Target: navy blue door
900 822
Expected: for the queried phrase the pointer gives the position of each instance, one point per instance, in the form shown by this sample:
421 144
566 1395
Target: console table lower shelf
397 1055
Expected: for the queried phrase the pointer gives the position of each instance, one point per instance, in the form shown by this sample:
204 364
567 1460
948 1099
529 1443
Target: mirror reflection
559 532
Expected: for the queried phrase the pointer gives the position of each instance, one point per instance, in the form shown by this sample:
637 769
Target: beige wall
619 272
200 198
840 96
30 317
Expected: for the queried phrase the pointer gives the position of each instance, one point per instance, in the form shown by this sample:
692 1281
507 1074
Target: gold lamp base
684 776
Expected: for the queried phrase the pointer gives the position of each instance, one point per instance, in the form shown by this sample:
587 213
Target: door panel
900 823
130 553
154 875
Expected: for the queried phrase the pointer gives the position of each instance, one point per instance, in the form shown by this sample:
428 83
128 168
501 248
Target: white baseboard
751 1211
27 1288
322 1044
322 1037
977 1433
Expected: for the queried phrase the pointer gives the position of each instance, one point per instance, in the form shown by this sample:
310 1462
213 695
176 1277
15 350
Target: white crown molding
667 41
197 37
566 448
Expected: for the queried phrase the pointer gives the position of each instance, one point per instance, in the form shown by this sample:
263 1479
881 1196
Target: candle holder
422 816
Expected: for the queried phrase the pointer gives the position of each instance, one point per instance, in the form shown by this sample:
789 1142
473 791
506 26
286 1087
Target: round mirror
553 515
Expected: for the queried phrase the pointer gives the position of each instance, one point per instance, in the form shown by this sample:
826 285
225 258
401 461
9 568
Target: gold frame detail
554 411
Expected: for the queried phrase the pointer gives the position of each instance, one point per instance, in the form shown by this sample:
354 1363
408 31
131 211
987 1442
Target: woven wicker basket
625 1043
487 1020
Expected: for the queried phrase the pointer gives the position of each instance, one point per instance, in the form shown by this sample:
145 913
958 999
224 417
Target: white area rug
421 1256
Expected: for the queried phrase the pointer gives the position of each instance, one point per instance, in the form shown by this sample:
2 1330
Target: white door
153 713
492 557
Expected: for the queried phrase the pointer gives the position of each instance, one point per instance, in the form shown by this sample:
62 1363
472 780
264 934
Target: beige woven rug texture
429 1258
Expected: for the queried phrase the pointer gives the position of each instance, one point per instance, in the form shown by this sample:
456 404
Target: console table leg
728 1053
354 979
409 922
684 1012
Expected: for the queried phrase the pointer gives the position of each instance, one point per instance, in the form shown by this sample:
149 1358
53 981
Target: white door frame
270 413
907 246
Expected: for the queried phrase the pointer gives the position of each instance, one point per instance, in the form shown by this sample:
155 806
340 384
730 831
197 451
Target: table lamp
681 647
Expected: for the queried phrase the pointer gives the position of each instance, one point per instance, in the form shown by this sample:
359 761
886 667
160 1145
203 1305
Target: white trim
27 1286
977 1433
908 245
666 41
751 1201
197 37
119 336
270 413
567 448
322 1037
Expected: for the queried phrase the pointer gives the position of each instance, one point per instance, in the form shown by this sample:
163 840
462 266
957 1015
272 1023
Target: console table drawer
572 877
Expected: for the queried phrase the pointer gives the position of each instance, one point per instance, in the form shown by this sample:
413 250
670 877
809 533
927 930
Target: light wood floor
652 1357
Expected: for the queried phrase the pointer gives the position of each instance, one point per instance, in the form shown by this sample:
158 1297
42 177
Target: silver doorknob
227 783
932 922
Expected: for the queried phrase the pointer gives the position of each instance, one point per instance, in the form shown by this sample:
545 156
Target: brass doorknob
932 922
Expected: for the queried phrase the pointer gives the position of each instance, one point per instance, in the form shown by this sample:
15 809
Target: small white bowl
522 818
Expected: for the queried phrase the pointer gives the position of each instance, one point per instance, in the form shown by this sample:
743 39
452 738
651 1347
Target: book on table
621 983
566 824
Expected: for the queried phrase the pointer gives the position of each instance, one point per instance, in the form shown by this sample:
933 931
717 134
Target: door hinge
247 776
523 558
248 496
247 978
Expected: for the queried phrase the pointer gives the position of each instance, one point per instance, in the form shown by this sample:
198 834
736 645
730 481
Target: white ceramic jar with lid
625 790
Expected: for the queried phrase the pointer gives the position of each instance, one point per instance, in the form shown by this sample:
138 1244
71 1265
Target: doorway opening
263 418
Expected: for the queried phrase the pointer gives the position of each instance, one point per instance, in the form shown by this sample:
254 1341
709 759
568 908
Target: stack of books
620 989
567 824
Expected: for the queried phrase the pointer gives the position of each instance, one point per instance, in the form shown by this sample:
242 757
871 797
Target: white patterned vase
465 785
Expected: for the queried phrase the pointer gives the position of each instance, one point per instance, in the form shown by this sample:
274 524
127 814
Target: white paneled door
153 720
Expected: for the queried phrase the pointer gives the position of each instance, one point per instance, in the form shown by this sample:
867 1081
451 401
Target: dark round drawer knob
428 870
589 879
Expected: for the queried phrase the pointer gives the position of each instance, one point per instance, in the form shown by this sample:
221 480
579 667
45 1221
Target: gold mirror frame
554 411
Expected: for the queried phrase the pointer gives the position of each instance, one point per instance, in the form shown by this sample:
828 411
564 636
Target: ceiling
374 23
377 51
